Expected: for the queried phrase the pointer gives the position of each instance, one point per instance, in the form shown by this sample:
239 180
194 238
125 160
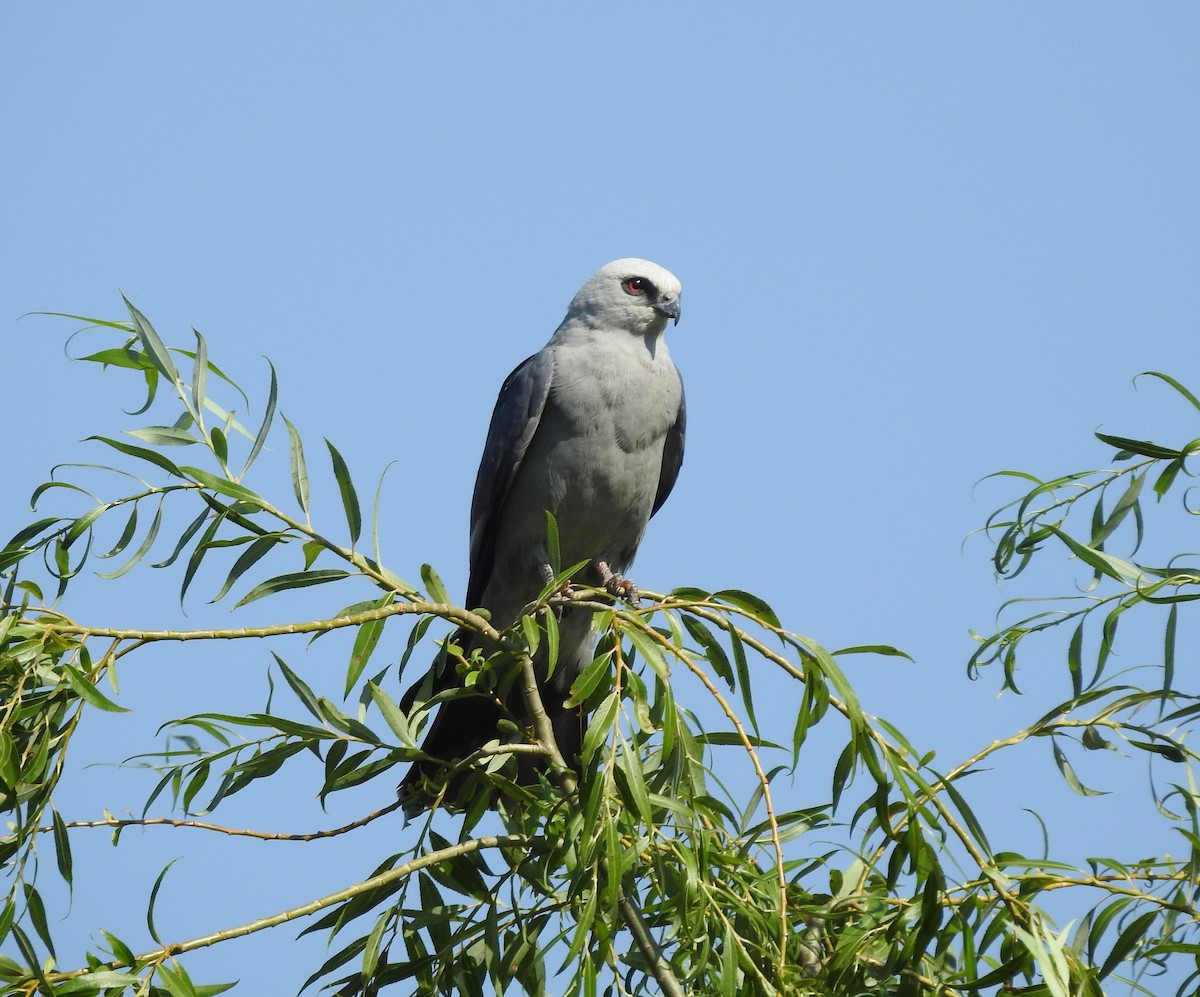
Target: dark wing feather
514 421
672 455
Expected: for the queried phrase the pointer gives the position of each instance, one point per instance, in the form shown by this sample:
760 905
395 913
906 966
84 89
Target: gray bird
590 429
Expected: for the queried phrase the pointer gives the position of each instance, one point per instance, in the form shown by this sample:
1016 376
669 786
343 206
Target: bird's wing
514 421
672 454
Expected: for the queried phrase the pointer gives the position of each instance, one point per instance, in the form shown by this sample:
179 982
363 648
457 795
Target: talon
617 586
627 589
567 591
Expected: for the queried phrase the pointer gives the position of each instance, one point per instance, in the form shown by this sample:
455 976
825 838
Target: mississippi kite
591 429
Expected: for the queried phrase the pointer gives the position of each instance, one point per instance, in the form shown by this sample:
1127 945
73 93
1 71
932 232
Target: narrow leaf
365 642
553 551
300 688
257 549
1174 384
88 692
141 453
142 551
589 679
433 585
393 716
199 373
157 352
299 467
1068 773
268 418
349 497
752 604
1142 447
153 898
294 580
223 486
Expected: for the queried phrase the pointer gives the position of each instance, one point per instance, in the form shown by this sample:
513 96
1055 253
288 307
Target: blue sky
918 244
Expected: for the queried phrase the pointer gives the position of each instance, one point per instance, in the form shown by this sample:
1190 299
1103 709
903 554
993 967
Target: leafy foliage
672 861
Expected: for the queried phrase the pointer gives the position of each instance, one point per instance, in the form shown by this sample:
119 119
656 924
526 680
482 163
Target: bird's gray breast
597 455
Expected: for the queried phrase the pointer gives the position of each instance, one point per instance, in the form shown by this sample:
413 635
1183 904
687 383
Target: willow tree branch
375 882
564 777
123 822
443 610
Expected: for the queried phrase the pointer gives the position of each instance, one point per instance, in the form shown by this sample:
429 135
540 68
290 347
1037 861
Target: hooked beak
668 305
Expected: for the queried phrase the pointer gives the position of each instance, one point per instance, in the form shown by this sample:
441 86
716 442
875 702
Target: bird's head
630 294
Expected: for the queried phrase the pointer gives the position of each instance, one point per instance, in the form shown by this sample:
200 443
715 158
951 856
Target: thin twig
123 822
375 882
564 777
443 610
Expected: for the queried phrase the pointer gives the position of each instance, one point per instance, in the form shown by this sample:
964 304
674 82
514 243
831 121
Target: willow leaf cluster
694 848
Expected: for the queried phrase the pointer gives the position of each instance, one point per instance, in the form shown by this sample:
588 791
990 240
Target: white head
631 294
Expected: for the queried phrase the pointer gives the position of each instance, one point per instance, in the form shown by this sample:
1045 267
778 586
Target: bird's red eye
635 285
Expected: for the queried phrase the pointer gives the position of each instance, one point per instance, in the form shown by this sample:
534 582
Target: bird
591 430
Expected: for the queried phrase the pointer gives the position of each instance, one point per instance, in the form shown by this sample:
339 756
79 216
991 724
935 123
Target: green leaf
1125 504
714 653
375 548
268 417
365 642
393 716
749 603
35 910
1163 483
184 537
300 688
87 691
176 980
370 957
600 726
92 983
223 486
648 648
119 356
886 650
199 372
743 673
257 549
1168 681
155 350
1068 773
126 535
1174 384
1134 933
1143 448
553 639
1167 749
228 422
164 436
533 635
203 545
349 497
81 525
31 956
153 899
587 681
220 445
553 550
62 847
141 453
10 770
294 580
299 467
1106 564
433 585
142 551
